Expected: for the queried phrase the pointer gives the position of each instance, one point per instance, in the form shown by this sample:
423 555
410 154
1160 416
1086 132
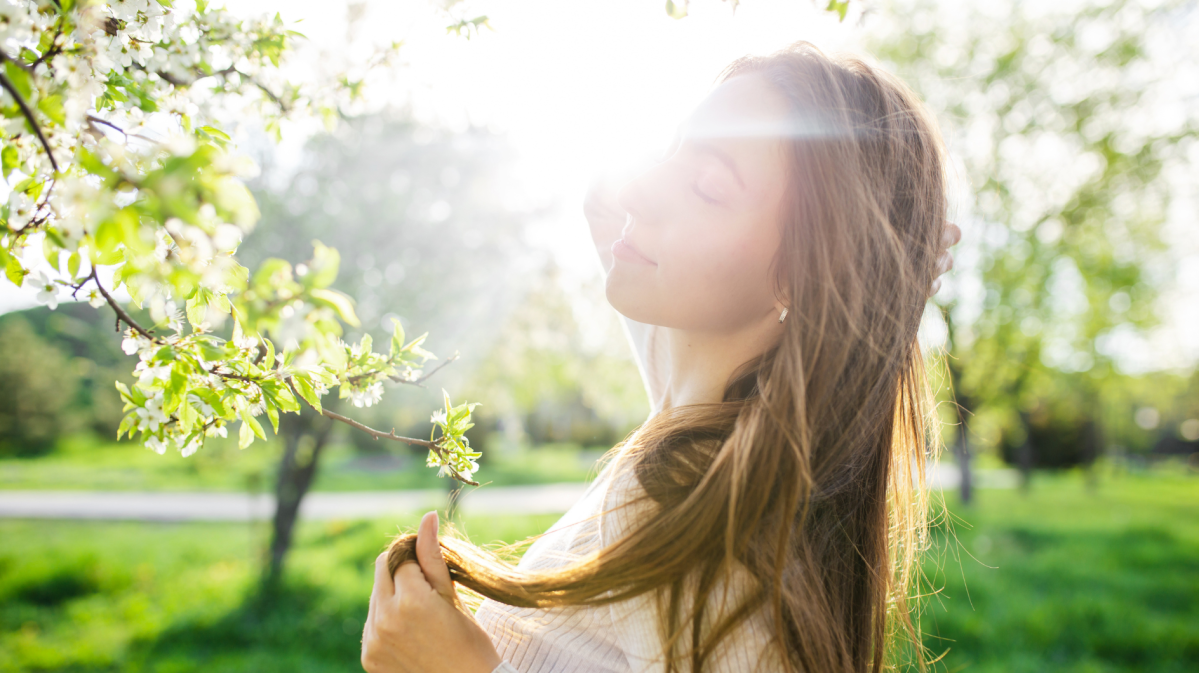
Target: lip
624 250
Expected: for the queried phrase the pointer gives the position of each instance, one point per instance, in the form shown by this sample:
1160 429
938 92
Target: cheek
723 269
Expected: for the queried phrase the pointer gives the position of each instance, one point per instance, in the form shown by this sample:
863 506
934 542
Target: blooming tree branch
223 344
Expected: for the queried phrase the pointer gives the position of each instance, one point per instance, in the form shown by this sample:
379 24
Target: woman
772 271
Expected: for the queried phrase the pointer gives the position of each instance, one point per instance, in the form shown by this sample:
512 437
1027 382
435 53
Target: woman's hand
416 623
950 238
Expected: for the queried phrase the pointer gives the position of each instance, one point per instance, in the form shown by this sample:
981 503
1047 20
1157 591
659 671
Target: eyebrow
720 155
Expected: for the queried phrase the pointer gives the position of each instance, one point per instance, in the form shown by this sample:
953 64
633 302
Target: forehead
747 119
745 106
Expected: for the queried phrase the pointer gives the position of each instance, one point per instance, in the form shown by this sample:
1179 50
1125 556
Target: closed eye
705 197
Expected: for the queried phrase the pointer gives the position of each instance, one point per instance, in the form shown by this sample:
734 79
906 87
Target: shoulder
624 503
750 646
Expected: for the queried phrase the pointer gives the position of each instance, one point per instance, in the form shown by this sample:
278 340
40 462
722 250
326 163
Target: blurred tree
39 386
1064 122
88 338
430 235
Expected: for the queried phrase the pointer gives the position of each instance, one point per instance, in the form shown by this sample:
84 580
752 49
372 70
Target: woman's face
703 224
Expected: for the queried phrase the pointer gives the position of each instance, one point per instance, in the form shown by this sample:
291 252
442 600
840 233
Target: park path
185 506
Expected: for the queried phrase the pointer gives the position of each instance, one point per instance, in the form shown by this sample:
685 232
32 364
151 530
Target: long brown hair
810 473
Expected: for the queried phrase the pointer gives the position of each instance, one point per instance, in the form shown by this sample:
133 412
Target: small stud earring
783 314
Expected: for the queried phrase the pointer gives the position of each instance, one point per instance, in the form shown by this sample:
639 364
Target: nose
635 197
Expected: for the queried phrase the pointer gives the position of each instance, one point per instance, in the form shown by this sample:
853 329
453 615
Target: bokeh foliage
1071 144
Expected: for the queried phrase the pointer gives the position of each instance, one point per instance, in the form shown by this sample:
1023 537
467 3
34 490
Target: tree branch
422 379
12 90
121 314
55 48
379 434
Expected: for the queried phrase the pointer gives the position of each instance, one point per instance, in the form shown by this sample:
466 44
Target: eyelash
700 194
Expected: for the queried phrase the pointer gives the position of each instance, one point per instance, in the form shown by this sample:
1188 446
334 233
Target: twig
235 377
121 314
422 379
12 90
54 49
399 379
379 434
96 120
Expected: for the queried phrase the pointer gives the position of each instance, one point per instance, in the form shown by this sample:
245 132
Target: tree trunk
303 439
965 408
1024 455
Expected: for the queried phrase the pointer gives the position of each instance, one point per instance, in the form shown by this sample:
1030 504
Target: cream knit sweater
618 638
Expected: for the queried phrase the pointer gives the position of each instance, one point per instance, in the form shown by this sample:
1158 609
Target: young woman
772 271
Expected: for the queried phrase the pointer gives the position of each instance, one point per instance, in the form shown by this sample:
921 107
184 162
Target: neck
702 363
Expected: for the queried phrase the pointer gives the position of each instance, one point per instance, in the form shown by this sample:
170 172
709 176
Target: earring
783 314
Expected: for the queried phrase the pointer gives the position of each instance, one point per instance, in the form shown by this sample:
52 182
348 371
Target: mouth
622 249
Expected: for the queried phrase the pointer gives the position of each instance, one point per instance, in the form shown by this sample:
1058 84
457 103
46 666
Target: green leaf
269 358
122 227
273 414
20 79
307 392
212 399
322 269
73 264
271 272
9 159
128 424
247 417
838 6
676 11
245 436
365 346
217 136
397 337
197 307
51 106
15 272
187 415
341 303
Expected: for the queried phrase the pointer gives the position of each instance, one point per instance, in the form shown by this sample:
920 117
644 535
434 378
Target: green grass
1066 578
1061 579
135 597
83 462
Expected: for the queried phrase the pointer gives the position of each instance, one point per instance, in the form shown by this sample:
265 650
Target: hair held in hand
809 475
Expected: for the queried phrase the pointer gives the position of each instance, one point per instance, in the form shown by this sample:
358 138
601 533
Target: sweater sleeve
505 667
750 646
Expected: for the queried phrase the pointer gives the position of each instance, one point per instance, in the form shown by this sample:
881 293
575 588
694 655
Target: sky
579 88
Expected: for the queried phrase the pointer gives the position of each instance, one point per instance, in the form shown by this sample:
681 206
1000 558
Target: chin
631 296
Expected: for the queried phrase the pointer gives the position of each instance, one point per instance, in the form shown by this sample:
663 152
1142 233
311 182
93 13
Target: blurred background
1063 346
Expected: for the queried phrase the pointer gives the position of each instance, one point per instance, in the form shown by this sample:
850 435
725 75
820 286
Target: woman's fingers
944 263
428 554
951 236
384 585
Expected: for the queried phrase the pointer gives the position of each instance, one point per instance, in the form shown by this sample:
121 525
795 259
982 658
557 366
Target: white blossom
187 447
96 300
47 289
156 445
367 396
151 415
147 374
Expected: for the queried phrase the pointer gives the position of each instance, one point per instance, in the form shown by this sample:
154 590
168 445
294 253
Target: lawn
82 462
1060 579
1067 578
